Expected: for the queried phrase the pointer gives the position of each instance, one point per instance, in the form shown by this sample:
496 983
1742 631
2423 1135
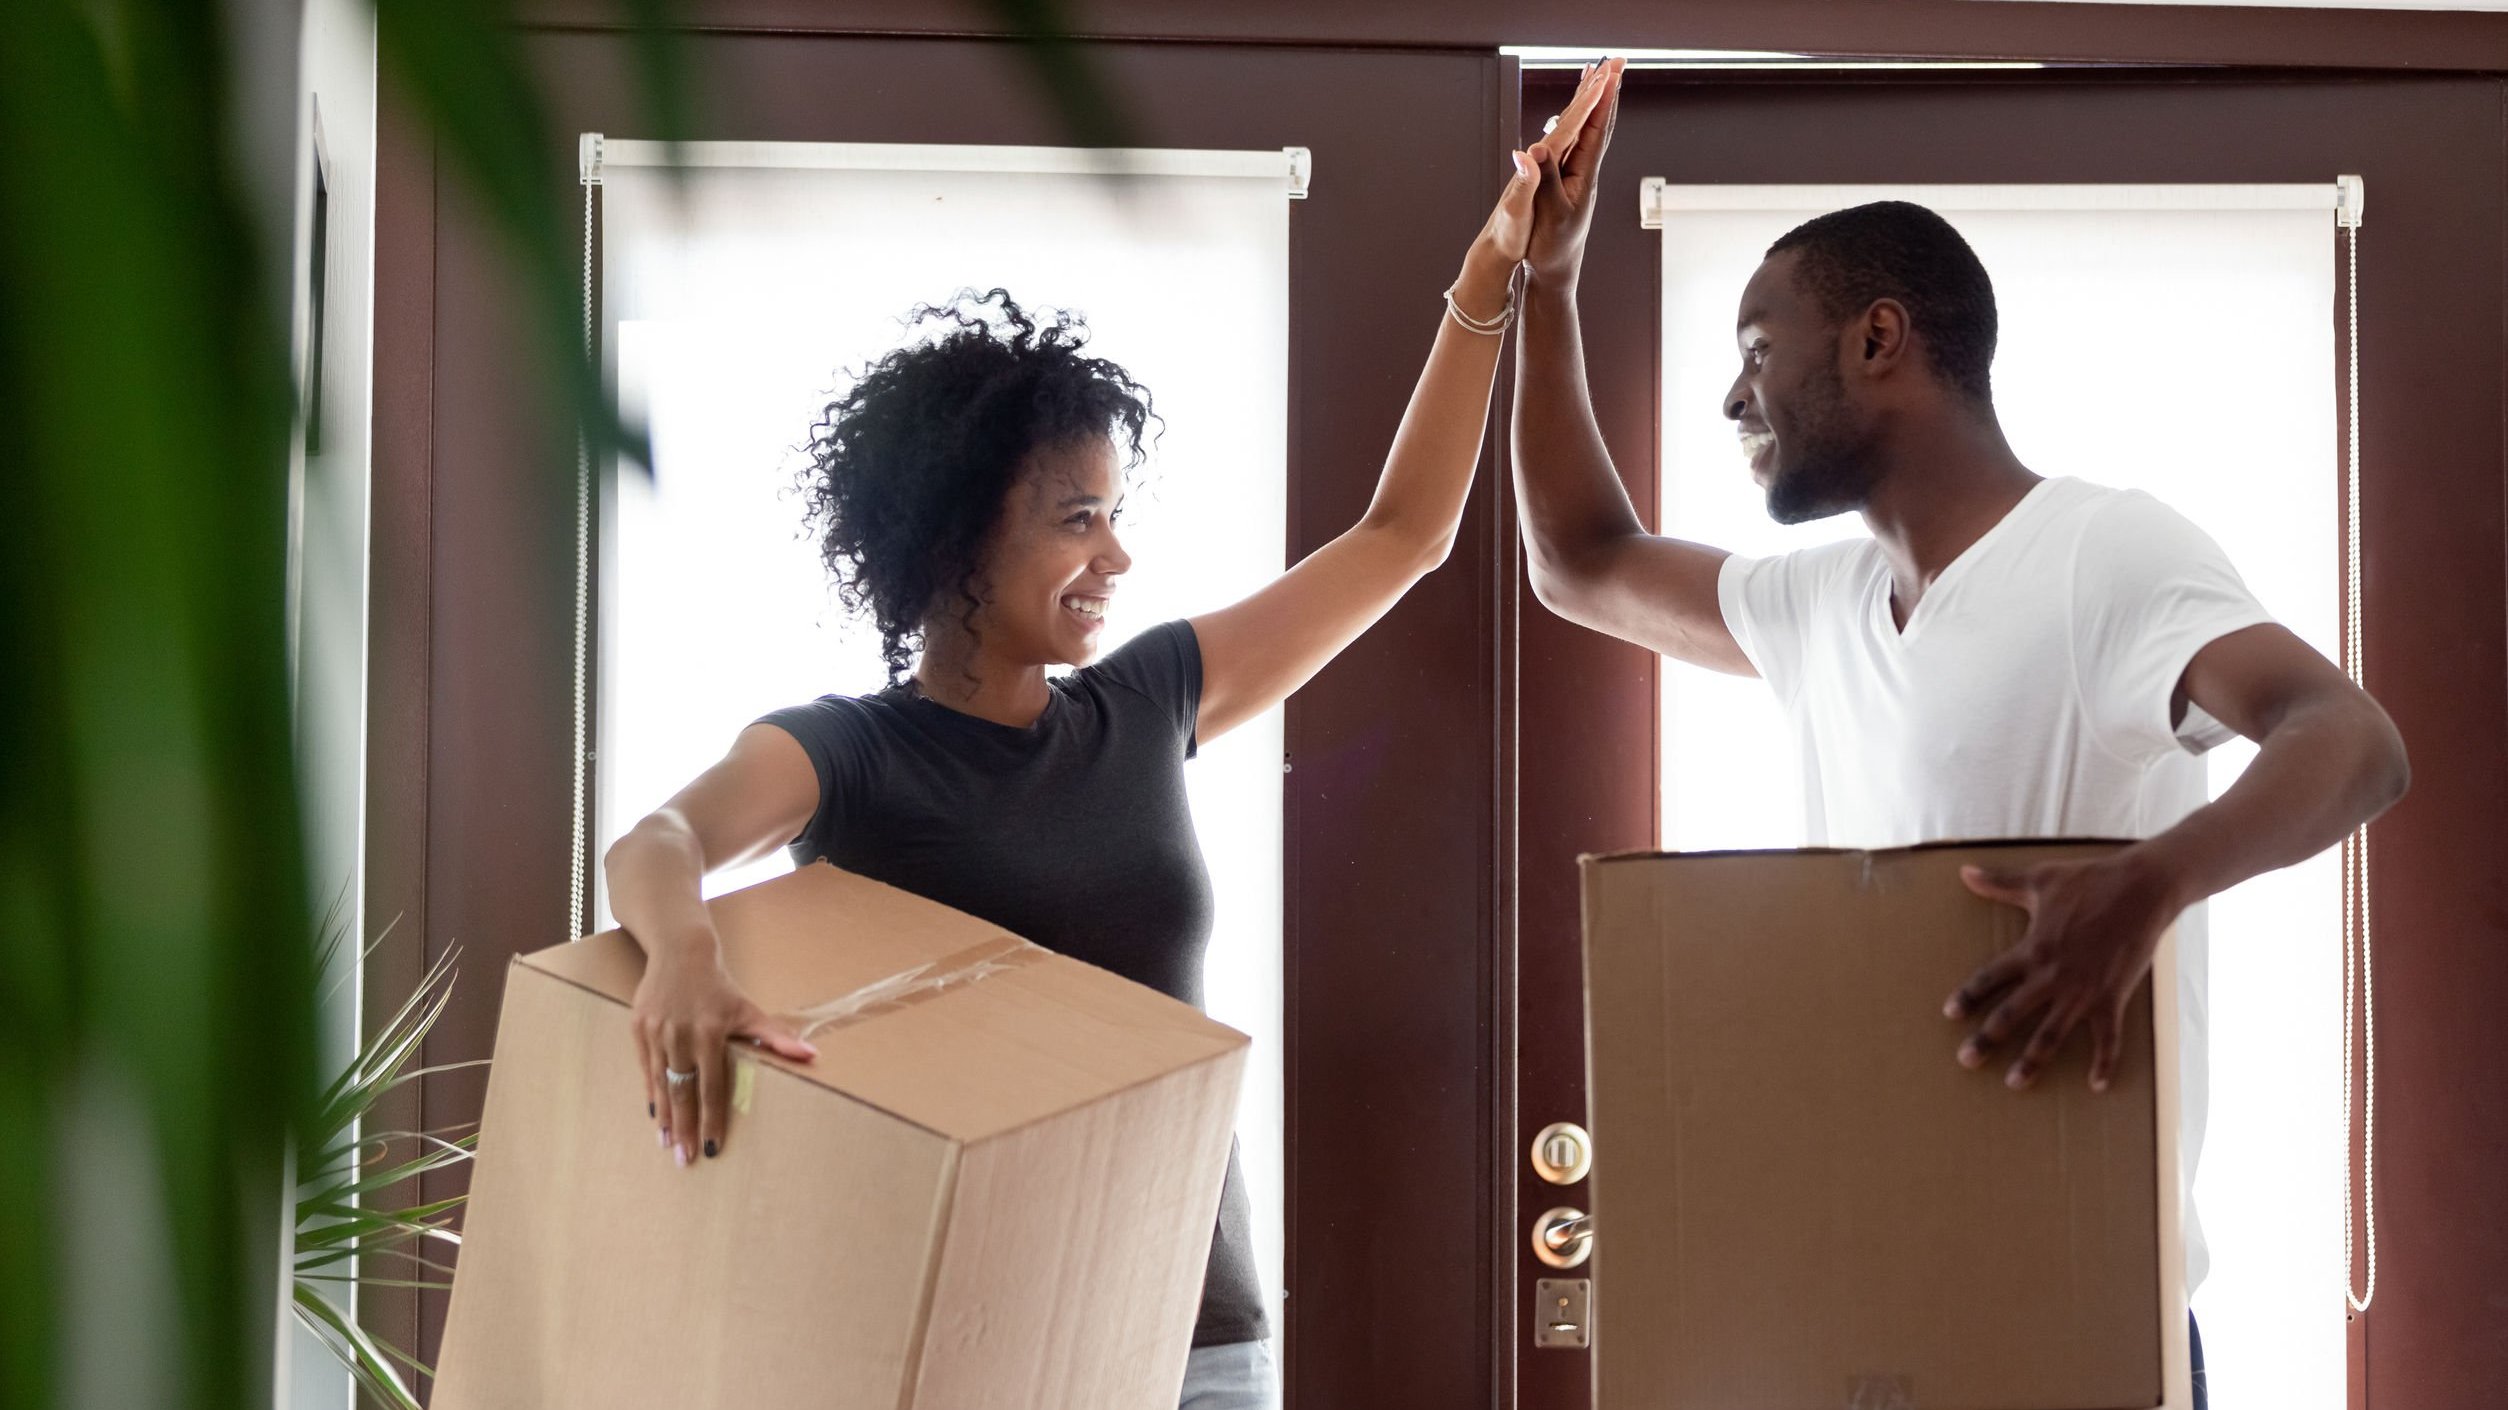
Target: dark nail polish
648 1110
709 1150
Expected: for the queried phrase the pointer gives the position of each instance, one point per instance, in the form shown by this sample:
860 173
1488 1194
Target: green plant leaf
429 1163
366 1150
394 1246
364 1355
357 1089
144 709
329 1221
434 1284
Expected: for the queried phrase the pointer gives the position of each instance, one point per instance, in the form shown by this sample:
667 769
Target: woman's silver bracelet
1491 327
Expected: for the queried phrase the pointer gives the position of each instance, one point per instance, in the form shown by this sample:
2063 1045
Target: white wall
327 539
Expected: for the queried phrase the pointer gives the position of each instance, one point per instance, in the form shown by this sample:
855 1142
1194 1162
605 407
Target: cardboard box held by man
1801 1202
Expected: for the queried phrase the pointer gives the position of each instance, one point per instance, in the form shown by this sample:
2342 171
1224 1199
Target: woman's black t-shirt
1073 832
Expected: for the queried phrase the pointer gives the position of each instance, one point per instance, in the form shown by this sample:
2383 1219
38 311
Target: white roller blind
2179 340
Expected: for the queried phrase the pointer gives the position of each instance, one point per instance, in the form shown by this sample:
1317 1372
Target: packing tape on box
929 980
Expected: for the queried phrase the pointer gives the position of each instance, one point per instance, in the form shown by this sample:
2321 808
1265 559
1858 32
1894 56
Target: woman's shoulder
1163 662
828 716
1157 674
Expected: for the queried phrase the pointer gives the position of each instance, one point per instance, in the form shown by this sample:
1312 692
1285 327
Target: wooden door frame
2434 325
2250 36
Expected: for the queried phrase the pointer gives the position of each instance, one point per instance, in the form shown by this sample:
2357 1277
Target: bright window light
2185 352
1552 56
730 307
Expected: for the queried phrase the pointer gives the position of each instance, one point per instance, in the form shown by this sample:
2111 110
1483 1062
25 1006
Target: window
729 307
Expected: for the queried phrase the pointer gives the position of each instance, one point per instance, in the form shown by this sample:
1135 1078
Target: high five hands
1552 190
1569 161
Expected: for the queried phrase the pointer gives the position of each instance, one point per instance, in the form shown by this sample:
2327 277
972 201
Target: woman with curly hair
965 489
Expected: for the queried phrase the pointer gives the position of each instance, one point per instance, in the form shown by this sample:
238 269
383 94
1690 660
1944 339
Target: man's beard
1827 466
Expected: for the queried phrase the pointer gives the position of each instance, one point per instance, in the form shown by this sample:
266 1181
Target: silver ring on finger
677 1078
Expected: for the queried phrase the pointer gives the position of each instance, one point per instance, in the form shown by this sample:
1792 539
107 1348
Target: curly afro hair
911 466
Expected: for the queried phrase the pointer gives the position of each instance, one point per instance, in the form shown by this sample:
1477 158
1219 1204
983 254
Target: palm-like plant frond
343 1171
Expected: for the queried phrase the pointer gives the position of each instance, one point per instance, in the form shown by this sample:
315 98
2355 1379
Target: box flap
1588 859
923 1011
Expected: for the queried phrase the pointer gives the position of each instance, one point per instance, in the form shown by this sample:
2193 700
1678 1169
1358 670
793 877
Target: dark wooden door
2431 150
1393 852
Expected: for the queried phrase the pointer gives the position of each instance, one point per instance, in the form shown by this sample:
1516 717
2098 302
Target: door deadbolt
1563 1153
1563 1237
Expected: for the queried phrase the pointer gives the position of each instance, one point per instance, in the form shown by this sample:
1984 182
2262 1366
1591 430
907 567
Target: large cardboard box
1803 1203
994 1188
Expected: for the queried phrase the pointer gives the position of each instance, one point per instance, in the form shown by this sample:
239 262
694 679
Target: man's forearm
1572 498
2329 766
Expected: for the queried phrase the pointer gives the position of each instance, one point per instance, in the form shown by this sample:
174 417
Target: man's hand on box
2093 928
687 1012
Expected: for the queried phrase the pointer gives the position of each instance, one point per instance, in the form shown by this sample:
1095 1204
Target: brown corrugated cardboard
1803 1203
995 1187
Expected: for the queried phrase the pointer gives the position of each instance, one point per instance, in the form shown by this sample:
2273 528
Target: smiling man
2005 656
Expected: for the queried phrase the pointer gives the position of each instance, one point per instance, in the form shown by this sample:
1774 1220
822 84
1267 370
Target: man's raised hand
1569 158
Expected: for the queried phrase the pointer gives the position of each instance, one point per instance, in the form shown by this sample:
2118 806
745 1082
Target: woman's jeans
1237 1376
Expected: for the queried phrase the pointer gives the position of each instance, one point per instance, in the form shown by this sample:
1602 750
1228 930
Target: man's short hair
1850 259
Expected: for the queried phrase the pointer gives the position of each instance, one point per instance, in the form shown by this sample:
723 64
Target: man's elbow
2357 729
1560 582
1551 588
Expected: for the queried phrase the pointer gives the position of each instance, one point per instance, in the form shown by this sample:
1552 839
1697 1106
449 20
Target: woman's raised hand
1489 267
1510 226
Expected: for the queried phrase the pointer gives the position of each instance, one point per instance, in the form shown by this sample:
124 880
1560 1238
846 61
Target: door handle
1563 1237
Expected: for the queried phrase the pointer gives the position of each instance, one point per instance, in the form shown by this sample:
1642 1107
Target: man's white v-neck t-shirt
2028 695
